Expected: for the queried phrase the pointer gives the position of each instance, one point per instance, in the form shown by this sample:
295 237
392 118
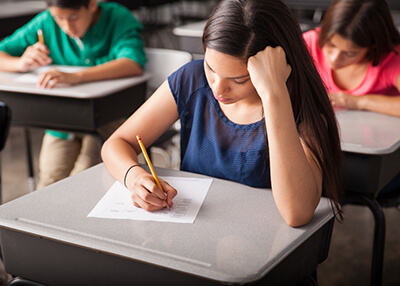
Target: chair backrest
5 120
162 62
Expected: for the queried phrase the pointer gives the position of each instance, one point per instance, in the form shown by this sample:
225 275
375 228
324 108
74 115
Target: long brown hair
367 23
241 28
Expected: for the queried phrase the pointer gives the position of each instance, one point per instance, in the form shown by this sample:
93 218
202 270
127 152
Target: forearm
294 185
118 155
111 70
389 105
8 63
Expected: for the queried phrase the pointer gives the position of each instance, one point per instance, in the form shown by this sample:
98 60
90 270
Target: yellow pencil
147 158
40 36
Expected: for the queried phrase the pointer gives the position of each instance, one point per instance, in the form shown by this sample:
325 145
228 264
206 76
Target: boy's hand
34 56
50 78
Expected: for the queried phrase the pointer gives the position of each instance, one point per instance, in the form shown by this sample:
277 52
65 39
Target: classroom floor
348 262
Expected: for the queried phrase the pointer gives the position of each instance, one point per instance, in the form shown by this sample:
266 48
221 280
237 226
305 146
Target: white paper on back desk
32 77
117 202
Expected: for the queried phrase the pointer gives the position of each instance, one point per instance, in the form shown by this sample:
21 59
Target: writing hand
34 56
147 195
269 70
50 78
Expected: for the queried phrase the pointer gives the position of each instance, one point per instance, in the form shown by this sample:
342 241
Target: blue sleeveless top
211 144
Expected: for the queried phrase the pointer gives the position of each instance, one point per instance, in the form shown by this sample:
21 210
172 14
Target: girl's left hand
269 70
50 78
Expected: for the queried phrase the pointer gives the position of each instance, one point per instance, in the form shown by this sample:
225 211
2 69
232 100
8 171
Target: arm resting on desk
389 105
118 68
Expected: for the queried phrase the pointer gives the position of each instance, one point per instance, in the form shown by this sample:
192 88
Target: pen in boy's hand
147 158
40 36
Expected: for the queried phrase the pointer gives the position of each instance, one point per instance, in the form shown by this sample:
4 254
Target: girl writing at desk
356 50
253 111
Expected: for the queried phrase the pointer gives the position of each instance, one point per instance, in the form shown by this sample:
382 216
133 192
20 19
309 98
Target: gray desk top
368 132
190 30
235 221
21 8
85 90
195 29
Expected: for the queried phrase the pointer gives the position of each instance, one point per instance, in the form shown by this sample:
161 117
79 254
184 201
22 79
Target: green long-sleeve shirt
116 35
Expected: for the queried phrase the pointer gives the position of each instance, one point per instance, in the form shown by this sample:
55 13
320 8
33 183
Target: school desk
14 14
79 108
371 145
189 37
238 237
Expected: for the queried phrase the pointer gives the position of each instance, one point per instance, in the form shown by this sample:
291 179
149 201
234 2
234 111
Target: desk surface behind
9 9
368 132
238 235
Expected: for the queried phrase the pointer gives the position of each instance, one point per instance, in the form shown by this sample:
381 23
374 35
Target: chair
5 120
161 63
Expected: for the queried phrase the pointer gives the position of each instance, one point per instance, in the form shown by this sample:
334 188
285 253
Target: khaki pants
62 158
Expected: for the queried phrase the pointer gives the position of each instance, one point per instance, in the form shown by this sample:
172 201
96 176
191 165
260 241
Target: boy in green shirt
105 37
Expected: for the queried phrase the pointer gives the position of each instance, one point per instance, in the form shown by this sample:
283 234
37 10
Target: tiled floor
348 262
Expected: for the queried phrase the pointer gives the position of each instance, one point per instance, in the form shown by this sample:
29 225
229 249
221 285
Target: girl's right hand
34 56
146 194
269 70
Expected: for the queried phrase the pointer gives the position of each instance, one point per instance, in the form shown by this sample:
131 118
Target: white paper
117 203
32 77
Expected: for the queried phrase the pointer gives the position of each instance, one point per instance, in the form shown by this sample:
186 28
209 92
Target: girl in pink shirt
356 51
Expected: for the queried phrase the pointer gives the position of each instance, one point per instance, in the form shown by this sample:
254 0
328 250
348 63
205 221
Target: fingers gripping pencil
146 156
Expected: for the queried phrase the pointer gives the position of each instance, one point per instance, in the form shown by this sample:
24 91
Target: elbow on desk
296 219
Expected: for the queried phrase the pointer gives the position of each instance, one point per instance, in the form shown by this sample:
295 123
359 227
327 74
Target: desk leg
1 183
28 148
379 235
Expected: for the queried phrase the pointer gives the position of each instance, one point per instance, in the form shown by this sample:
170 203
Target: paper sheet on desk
117 203
32 77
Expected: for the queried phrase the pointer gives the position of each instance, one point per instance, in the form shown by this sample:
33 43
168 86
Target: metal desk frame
371 146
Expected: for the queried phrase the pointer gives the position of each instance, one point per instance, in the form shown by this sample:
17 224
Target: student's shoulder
115 8
41 19
392 58
193 69
117 13
311 36
189 76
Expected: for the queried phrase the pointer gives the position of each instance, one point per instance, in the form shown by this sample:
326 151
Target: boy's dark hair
69 4
367 23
